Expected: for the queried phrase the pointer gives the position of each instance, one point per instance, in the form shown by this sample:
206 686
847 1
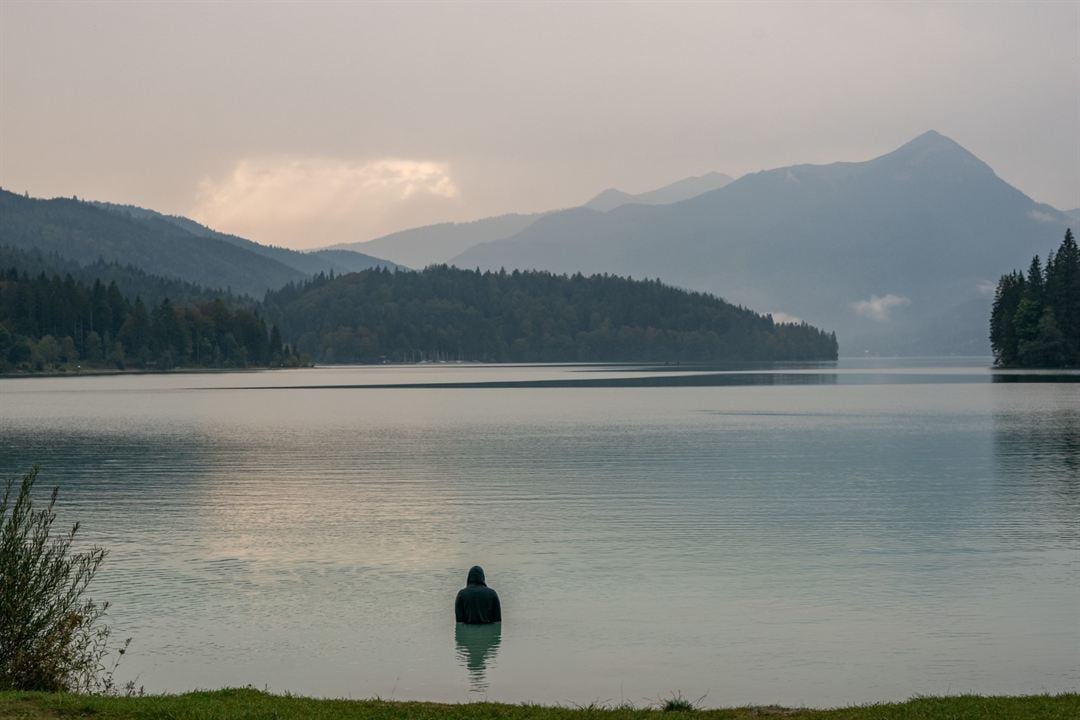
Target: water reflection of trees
1038 453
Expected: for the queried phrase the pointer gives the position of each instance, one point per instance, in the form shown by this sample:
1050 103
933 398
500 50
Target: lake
804 535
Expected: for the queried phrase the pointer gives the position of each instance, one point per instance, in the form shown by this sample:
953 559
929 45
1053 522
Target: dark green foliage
55 323
51 635
444 313
1035 321
677 703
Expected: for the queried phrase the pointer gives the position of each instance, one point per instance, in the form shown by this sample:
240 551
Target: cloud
879 307
1041 216
986 288
784 318
314 201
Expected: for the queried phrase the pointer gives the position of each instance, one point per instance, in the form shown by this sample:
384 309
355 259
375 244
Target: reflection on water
1038 453
477 646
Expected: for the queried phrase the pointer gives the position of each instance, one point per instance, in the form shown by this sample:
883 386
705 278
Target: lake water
815 535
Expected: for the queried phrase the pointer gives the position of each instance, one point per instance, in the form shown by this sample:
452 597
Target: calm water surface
817 535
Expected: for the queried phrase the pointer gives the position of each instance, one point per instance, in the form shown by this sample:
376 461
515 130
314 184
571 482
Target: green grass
248 704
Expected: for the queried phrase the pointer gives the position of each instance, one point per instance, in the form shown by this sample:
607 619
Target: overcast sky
315 123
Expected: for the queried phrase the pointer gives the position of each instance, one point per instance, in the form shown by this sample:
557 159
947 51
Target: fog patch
986 288
879 308
1041 216
782 318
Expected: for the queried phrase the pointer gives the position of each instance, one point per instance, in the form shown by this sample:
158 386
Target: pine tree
1067 296
1003 336
1035 321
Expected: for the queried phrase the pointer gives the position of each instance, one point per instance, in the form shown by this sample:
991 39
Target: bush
51 637
678 703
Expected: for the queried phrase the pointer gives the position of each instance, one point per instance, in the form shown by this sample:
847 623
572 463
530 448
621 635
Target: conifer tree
1035 321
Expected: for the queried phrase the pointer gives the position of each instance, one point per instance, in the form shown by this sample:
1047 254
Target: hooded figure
476 603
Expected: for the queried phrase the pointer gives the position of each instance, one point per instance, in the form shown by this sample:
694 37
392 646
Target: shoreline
253 704
107 372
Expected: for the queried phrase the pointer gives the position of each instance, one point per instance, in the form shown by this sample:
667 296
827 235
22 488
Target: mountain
435 244
675 192
83 232
309 263
1073 214
899 253
348 261
162 245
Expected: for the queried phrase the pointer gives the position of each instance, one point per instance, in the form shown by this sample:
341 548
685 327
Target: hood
476 576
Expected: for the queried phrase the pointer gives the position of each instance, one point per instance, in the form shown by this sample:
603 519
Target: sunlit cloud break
309 201
879 307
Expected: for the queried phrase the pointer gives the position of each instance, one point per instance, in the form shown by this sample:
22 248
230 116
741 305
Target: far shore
95 372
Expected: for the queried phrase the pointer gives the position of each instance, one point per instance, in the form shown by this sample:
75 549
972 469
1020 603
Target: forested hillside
83 232
309 263
447 313
49 322
1036 317
163 245
131 281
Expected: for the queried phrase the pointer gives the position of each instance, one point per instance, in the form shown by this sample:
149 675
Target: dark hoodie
476 603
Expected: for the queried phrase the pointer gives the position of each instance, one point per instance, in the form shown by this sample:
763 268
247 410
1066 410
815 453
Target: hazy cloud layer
783 317
309 202
879 307
533 105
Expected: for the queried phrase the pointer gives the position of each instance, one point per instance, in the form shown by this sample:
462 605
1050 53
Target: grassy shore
248 704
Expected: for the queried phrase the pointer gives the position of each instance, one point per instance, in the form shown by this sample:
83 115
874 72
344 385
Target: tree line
445 313
1035 321
129 279
49 322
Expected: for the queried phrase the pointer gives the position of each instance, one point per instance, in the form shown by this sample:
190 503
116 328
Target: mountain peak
931 141
937 152
931 135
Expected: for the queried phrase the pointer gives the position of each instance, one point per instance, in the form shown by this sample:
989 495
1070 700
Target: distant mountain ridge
675 192
435 244
881 250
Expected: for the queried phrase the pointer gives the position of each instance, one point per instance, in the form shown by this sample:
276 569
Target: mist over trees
444 313
1035 320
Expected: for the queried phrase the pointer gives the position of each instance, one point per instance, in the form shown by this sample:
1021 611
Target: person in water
476 603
